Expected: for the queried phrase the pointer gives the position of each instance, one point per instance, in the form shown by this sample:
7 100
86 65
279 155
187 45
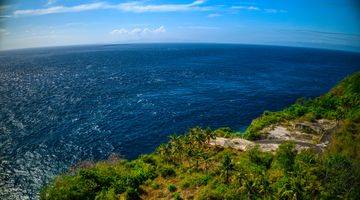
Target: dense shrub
260 158
172 188
285 156
167 171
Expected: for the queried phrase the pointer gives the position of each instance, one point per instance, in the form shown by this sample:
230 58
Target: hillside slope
189 167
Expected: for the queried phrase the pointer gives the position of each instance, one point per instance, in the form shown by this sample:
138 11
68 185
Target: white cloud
254 8
212 15
119 31
137 7
251 8
61 9
161 29
138 31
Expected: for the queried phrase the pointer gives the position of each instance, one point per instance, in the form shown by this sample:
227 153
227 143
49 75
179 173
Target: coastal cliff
309 150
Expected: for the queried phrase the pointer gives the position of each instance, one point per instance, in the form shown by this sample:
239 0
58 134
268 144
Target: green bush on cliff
342 102
103 179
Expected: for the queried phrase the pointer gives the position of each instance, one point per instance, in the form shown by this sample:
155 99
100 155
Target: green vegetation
342 102
172 188
187 167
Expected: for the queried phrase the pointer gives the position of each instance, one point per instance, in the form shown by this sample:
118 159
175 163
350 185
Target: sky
331 24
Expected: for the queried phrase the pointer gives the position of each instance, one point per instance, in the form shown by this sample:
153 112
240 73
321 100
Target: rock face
235 143
304 134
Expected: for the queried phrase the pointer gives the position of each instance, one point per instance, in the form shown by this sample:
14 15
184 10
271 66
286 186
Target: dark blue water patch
63 105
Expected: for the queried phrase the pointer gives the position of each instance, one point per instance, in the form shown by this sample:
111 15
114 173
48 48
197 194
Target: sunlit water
62 105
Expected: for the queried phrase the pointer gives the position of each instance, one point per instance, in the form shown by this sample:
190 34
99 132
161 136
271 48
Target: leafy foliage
341 102
172 188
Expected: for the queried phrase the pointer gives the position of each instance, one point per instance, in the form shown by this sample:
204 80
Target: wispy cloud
138 31
199 27
139 8
62 9
270 10
245 7
136 7
212 15
338 35
255 8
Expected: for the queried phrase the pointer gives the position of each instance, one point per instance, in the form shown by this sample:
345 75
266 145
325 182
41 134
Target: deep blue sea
61 105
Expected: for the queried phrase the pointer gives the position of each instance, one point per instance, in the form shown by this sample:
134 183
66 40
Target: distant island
309 150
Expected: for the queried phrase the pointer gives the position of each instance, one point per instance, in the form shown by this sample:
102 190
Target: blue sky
333 24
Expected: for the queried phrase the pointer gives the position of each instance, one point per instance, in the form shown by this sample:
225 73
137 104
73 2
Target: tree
227 166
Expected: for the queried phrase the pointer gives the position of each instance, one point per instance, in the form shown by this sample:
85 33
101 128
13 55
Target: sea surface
61 105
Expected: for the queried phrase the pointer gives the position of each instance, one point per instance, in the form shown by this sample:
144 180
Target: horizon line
173 42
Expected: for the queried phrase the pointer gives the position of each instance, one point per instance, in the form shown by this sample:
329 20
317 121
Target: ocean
63 105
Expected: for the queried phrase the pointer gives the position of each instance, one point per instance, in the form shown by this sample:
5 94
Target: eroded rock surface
235 143
304 134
